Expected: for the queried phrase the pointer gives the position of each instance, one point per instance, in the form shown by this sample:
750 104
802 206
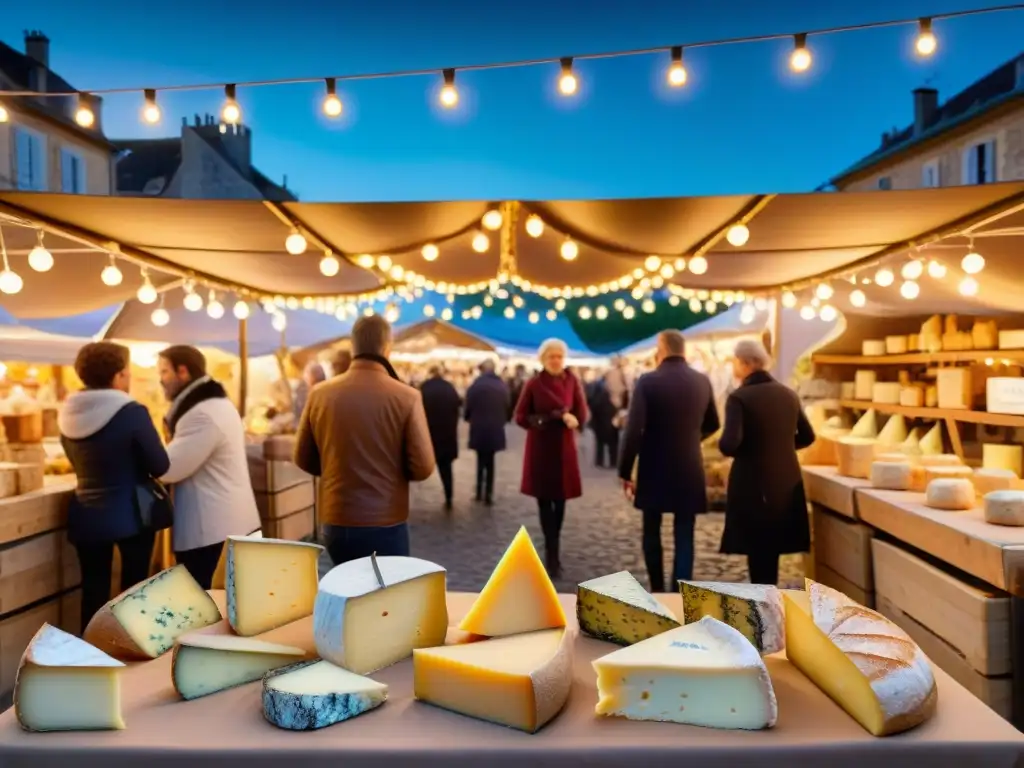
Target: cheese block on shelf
951 472
986 480
144 621
520 681
954 388
931 334
891 475
65 684
705 673
618 609
847 390
985 334
912 445
931 443
518 597
939 460
854 456
895 345
897 456
316 694
861 660
866 426
995 456
362 627
203 664
912 397
1004 508
872 347
914 342
863 384
931 396
954 494
893 433
753 610
1011 339
269 582
886 392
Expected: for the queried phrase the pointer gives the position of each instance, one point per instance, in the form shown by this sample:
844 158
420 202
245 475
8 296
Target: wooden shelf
939 414
923 358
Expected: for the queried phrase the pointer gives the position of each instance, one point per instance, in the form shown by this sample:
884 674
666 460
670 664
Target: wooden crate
825 575
273 476
295 527
34 513
973 620
287 502
844 548
36 568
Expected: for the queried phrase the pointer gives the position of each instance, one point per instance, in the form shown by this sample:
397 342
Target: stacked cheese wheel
865 444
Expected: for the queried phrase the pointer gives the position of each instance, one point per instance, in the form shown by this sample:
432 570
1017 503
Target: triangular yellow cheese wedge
866 426
894 432
519 596
931 443
912 445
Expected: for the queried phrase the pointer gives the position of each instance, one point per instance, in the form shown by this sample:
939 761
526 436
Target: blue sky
742 125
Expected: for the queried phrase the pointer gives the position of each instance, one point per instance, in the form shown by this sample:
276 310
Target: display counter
285 495
228 728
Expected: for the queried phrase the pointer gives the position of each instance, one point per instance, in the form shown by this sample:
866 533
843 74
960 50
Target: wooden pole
243 365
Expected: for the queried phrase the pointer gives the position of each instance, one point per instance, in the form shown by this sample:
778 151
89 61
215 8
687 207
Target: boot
551 559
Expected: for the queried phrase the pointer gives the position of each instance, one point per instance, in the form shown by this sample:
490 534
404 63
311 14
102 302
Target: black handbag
154 505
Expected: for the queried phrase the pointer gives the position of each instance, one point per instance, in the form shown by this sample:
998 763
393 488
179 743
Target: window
980 163
30 157
885 182
930 177
72 172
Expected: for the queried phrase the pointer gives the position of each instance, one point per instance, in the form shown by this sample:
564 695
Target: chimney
926 106
37 47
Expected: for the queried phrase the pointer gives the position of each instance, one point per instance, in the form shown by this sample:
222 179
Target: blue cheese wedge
316 694
755 610
618 609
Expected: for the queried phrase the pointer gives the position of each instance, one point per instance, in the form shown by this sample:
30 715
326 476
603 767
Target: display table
228 729
825 486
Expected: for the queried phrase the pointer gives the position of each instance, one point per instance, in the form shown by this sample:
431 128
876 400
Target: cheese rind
861 660
520 681
144 621
269 582
995 456
618 609
947 473
885 392
518 597
220 575
205 664
863 384
891 475
953 494
65 684
753 610
854 456
315 694
705 673
872 347
362 628
986 480
1004 508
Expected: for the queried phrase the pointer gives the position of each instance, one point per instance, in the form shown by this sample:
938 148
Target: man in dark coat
441 402
765 425
487 411
603 423
515 387
672 411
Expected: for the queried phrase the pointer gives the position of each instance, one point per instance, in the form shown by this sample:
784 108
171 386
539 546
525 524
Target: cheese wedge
861 660
705 673
65 684
205 664
995 456
894 433
520 681
618 609
519 596
144 621
931 443
866 426
754 610
362 627
220 575
316 694
269 582
912 445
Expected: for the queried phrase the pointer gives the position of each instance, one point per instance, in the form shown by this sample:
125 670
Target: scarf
381 361
196 392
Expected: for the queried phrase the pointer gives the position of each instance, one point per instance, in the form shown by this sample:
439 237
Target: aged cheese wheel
988 479
946 473
854 456
940 460
891 475
954 494
1004 508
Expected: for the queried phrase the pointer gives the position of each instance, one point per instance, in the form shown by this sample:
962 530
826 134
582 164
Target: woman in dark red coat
551 408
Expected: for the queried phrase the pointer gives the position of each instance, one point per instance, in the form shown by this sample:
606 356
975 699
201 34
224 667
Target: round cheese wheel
893 457
990 479
941 460
891 475
954 494
937 473
1004 508
854 456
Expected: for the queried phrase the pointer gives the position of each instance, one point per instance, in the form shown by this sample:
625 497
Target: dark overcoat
551 467
487 411
442 404
602 411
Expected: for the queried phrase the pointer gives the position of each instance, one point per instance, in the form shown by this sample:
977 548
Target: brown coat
365 435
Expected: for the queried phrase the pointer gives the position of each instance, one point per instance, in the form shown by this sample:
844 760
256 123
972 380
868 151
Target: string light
295 243
492 220
698 265
694 304
569 250
968 286
972 263
738 235
366 261
828 313
676 71
231 112
824 291
936 269
584 313
384 263
10 281
567 83
884 278
534 225
150 110
857 298
4 114
788 299
430 252
800 58
481 242
926 43
807 312
147 293
533 317
160 317
40 259
429 310
329 265
240 310
747 314
910 290
628 313
449 93
193 302
652 263
111 276
84 115
551 315
213 307
278 321
510 313
601 313
912 270
667 271
331 106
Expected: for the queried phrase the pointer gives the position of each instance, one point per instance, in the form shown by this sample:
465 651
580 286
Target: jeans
346 543
682 533
612 446
763 568
201 562
484 475
96 561
444 469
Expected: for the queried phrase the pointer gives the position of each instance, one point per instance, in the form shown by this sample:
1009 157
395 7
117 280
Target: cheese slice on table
65 684
912 445
205 664
706 673
866 426
931 443
144 621
894 432
754 610
986 480
269 582
1004 508
861 660
519 596
891 475
362 627
220 575
618 609
854 456
315 694
955 494
521 681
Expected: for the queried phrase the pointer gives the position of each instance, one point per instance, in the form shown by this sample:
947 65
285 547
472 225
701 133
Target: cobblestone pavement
601 535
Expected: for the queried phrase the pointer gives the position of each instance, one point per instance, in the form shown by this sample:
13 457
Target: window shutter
990 162
23 159
67 171
38 151
968 175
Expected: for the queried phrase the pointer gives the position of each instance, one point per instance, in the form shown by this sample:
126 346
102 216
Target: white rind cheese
854 456
891 475
953 494
753 610
1004 508
618 609
705 674
205 664
363 628
886 392
864 384
65 684
987 480
316 694
872 347
144 621
895 345
947 473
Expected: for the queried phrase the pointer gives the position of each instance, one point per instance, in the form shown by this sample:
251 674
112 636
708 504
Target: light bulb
673 300
533 317
214 308
800 59
676 71
824 291
384 263
278 321
146 293
698 265
584 313
738 235
968 286
910 289
392 313
884 278
694 304
926 43
231 112
567 83
912 270
747 314
560 305
648 306
828 313
10 282
329 265
652 263
40 259
365 260
620 304
160 317
331 105
240 310
430 252
4 114
84 115
449 93
710 306
807 312
429 310
481 242
295 243
857 298
667 271
569 249
601 313
534 225
510 313
628 313
492 220
193 302
111 276
936 269
760 302
972 263
150 110
788 299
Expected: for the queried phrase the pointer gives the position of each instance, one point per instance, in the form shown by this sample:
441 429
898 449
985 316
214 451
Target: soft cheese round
891 475
954 494
1004 508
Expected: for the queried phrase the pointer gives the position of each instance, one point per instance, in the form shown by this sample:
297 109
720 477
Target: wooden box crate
842 555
